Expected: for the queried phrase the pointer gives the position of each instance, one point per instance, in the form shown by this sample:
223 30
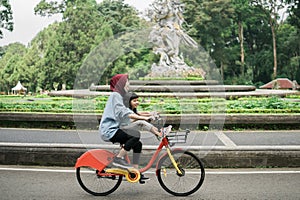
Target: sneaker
166 130
143 177
119 162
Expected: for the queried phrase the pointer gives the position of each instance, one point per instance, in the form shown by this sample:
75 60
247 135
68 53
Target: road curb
193 119
212 157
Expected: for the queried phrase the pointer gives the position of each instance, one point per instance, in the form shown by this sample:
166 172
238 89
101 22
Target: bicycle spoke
181 184
95 184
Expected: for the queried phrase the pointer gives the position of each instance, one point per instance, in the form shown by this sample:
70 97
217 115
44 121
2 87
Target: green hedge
166 105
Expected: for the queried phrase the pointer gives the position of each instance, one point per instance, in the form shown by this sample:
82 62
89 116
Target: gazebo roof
281 83
19 87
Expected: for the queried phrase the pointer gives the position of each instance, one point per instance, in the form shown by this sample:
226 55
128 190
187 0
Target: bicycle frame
100 158
163 143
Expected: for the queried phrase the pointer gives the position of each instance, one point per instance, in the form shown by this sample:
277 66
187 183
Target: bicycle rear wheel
95 183
181 184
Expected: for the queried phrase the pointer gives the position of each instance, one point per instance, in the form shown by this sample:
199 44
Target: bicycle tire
181 185
96 185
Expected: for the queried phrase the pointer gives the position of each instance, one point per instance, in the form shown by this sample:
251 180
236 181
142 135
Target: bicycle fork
174 162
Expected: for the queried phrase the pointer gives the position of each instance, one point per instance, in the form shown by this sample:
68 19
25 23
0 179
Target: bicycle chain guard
132 175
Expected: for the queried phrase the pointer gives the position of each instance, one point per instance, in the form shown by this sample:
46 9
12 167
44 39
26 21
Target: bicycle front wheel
183 184
95 183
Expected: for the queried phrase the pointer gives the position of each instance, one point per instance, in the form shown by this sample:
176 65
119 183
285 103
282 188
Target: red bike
179 172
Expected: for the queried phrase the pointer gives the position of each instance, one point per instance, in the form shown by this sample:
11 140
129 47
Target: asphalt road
20 182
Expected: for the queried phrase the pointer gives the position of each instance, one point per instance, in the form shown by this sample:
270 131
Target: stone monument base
176 71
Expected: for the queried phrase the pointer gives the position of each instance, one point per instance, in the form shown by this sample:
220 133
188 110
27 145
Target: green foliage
273 104
164 106
6 17
56 55
12 67
120 16
45 8
293 96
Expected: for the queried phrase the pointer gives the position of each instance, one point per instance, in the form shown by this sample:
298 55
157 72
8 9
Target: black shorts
129 140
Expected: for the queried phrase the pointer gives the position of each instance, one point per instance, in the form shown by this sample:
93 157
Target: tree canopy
6 18
237 35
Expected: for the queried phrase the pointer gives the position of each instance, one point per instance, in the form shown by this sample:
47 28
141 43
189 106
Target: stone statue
167 35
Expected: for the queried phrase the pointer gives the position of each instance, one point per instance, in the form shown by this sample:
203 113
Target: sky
27 25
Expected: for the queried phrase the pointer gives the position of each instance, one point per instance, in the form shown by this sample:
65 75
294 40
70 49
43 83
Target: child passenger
131 101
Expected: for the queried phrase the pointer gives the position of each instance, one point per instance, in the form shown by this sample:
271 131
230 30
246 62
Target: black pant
129 140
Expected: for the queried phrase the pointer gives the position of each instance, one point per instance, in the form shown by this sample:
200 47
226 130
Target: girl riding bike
114 114
179 171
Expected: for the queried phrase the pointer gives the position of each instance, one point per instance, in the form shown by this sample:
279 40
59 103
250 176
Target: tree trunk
241 38
274 50
222 70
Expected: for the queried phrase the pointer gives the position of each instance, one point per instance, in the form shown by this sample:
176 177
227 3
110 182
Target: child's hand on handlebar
151 118
155 115
163 132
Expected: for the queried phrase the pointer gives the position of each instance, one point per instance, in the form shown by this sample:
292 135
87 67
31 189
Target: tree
272 8
39 51
44 8
242 12
293 8
288 51
6 17
259 49
12 66
119 15
235 34
294 19
85 24
72 41
217 28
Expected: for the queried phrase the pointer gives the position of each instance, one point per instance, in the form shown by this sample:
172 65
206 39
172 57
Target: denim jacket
115 113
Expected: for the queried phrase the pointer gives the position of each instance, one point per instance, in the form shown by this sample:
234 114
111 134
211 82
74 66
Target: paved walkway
196 139
215 149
